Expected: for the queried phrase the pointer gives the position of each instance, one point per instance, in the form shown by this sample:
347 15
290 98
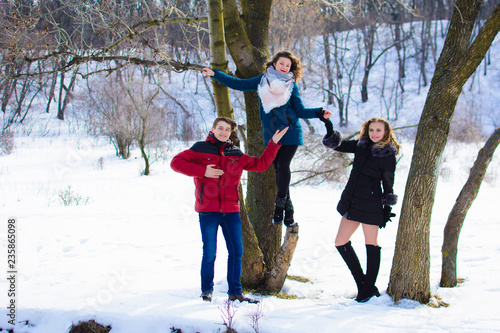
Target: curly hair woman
280 106
367 197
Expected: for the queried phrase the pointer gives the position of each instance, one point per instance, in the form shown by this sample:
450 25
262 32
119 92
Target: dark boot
352 261
279 207
206 296
372 266
289 221
242 299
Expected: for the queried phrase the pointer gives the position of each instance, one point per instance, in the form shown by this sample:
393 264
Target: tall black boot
352 261
289 221
372 266
279 207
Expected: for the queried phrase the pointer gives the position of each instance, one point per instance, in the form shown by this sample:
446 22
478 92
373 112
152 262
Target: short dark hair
226 120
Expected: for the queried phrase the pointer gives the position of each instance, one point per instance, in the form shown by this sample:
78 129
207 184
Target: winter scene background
98 240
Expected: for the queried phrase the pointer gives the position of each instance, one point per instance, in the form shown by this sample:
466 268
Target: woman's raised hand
327 114
207 71
278 135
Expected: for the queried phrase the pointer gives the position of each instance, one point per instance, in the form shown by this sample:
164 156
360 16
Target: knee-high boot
352 261
372 267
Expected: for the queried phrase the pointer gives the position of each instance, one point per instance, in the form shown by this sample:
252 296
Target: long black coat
370 184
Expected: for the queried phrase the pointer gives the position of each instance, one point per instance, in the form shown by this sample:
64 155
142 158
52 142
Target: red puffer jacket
220 194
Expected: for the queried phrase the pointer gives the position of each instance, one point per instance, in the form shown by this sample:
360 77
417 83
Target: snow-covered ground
129 254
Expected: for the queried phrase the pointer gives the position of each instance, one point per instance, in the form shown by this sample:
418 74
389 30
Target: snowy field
129 254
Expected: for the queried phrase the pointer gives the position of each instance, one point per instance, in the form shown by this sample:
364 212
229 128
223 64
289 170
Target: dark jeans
231 229
282 168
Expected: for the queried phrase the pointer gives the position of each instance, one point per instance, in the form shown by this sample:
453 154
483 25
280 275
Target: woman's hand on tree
207 71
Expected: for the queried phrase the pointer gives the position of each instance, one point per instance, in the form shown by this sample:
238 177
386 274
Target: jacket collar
212 139
388 149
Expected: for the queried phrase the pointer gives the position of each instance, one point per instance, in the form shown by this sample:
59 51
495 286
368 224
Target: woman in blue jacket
280 106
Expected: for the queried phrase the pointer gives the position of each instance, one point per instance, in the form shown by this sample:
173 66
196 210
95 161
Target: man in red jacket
216 166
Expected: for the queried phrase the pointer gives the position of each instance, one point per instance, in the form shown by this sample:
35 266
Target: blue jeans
231 229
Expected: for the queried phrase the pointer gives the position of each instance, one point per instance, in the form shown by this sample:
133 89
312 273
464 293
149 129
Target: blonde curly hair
388 138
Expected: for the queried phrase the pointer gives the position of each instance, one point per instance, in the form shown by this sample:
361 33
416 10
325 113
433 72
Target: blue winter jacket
277 118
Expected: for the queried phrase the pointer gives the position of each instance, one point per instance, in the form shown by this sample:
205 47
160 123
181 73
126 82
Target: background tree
459 211
127 109
149 126
69 33
460 57
106 114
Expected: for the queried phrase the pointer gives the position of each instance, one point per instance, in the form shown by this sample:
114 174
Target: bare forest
130 71
59 55
50 47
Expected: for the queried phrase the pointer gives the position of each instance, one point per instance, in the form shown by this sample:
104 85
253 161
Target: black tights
282 168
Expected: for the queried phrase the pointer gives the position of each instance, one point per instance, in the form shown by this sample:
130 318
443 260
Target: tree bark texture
458 61
218 57
253 260
369 41
247 40
329 74
457 215
277 275
261 190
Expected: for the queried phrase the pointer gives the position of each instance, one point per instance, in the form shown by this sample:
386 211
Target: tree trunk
277 275
253 259
219 57
457 215
247 39
401 57
52 92
458 61
329 74
369 40
67 96
22 96
424 48
252 270
261 190
364 85
142 144
60 115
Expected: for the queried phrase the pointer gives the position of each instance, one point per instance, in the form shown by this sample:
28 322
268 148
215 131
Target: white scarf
275 89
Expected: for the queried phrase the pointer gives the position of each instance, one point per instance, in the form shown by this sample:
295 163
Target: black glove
387 216
328 123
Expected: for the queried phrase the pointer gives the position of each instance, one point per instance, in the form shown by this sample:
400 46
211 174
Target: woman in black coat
367 197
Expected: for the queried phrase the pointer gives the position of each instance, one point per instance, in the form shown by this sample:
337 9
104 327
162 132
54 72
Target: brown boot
242 299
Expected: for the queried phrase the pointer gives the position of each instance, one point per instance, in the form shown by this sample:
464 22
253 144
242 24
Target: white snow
129 254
